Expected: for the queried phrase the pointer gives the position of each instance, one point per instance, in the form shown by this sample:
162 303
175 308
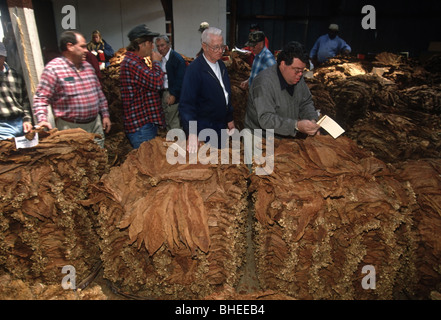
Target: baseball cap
141 31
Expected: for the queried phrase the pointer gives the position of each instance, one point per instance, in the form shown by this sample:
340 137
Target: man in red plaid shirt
140 87
70 85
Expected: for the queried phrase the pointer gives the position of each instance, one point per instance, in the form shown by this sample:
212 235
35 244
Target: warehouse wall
188 14
401 26
113 18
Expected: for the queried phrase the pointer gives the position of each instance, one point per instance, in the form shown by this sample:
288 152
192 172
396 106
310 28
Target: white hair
211 31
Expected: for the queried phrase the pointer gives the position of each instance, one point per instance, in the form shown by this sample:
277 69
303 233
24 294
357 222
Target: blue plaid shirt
262 61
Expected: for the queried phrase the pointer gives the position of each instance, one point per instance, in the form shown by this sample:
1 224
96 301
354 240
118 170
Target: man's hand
193 143
27 126
307 126
171 100
107 124
231 128
44 124
244 84
156 56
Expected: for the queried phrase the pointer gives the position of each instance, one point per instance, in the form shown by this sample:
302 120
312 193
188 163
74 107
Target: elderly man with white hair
206 92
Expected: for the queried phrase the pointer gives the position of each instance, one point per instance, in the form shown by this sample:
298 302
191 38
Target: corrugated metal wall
401 25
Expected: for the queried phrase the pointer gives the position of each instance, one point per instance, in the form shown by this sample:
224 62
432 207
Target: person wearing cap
328 46
173 65
140 87
15 113
202 27
70 85
206 92
263 58
250 56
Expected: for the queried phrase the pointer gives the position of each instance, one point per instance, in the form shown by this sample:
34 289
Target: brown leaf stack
329 209
43 224
424 178
172 230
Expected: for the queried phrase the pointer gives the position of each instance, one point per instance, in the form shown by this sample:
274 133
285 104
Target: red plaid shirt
140 86
74 94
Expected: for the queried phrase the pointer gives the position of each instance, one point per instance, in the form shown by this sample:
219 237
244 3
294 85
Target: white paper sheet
332 127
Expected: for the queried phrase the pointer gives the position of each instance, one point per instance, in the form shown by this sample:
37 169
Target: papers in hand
24 143
331 126
241 50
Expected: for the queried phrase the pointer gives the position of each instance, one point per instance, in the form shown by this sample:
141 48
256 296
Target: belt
78 121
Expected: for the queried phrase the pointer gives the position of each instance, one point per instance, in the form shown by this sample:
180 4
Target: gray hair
163 37
211 31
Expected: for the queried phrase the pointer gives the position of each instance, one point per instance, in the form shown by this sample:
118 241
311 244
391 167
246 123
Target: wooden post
28 42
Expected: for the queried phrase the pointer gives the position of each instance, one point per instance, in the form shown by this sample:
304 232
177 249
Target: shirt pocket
70 87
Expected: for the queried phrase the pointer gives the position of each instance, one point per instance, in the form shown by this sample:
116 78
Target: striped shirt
140 86
14 101
74 94
262 61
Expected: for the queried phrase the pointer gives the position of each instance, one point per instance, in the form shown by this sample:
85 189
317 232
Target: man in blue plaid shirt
263 57
15 115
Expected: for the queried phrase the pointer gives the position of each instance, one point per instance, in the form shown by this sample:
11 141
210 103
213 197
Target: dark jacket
175 67
203 99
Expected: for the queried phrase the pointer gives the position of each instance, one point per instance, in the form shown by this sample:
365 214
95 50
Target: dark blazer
175 67
203 99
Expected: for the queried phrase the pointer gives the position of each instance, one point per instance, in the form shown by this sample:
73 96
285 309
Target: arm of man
178 72
308 115
43 97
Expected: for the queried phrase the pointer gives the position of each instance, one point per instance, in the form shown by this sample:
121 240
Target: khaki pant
171 112
92 127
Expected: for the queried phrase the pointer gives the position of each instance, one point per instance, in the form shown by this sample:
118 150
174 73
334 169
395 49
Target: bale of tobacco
174 231
238 71
43 224
397 137
328 216
424 178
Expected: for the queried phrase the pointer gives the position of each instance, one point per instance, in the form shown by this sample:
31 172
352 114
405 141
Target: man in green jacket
279 98
280 103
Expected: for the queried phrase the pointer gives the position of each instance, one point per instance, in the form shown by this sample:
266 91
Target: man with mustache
70 85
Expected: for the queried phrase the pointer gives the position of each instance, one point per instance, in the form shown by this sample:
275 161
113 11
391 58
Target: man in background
15 114
263 58
328 46
70 85
173 66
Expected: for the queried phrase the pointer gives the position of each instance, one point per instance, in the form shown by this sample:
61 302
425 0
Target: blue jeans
11 128
145 133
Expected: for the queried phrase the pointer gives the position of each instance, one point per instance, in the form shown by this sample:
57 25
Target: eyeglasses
216 49
299 70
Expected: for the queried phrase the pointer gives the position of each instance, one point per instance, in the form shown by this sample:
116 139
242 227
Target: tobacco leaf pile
424 177
329 209
390 106
173 231
43 223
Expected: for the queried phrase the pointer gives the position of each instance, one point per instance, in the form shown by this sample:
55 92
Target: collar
72 65
209 62
262 51
283 84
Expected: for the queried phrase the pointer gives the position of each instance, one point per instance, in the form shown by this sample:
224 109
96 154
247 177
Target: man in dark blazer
173 64
206 94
